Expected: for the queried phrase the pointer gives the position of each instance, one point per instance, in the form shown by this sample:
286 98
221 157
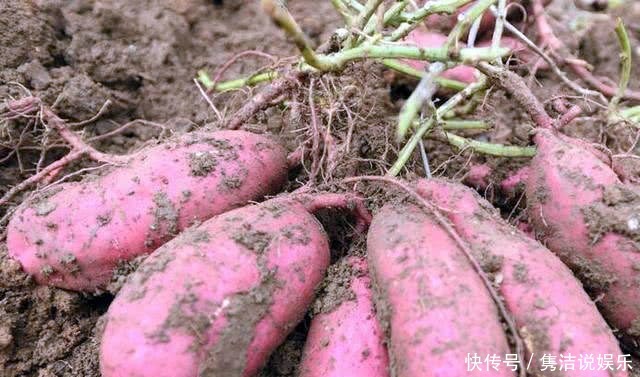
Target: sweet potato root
551 320
220 297
430 300
345 338
74 234
581 211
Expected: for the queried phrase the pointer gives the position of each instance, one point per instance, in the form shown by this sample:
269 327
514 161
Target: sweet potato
423 38
515 181
582 212
551 320
463 73
220 297
478 176
74 234
345 338
431 302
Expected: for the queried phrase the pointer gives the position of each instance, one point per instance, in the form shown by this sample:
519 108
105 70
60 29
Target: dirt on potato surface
141 56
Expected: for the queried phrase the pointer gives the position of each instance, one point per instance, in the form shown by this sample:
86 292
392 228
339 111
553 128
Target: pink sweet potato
582 212
423 38
553 313
430 300
220 297
478 176
75 234
463 73
345 338
515 181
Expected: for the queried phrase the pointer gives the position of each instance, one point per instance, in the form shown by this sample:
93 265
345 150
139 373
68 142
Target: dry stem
27 106
263 99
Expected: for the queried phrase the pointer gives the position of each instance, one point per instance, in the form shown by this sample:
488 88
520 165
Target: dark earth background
143 55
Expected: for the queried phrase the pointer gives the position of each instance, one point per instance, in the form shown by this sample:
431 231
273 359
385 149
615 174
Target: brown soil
142 57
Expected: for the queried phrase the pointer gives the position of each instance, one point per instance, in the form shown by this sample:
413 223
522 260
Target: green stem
356 5
391 13
338 60
362 19
630 112
432 7
343 10
414 19
422 93
467 108
615 3
366 13
625 63
205 80
410 71
469 17
490 149
259 78
497 31
409 147
394 11
285 21
222 86
461 124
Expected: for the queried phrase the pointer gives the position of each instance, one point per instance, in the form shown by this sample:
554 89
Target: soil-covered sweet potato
345 338
220 297
582 211
515 181
553 313
217 298
479 176
433 305
73 235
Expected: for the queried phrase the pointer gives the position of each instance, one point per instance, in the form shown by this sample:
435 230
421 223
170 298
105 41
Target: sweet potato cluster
225 281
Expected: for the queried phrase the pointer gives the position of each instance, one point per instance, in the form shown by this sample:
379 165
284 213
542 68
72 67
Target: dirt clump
46 331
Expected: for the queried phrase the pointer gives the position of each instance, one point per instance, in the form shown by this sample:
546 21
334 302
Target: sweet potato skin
515 181
553 313
431 302
425 39
463 73
75 234
478 176
571 195
219 298
347 340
